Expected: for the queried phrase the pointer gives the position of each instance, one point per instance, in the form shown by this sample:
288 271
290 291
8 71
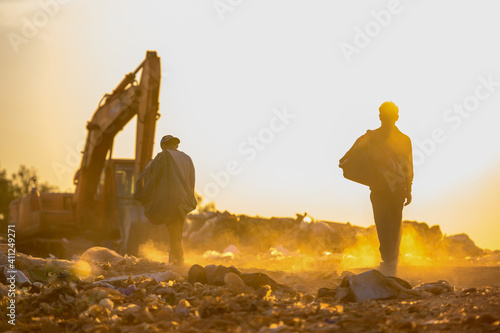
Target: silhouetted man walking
382 159
389 196
166 189
186 167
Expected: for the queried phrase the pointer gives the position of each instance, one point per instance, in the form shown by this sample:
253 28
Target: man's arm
409 176
192 176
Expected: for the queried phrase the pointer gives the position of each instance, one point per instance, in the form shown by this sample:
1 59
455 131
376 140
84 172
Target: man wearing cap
393 155
182 159
185 165
382 159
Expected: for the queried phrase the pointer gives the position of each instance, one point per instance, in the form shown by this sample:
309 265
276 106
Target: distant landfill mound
225 236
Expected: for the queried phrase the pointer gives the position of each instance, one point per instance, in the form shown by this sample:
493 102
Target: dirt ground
114 297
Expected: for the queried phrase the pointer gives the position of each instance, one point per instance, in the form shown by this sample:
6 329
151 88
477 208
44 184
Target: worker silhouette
186 167
383 160
166 189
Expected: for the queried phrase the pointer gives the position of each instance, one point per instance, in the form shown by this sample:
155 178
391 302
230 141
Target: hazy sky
267 96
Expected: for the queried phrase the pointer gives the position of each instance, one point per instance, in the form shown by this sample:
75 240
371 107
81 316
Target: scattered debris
103 291
101 254
436 288
222 298
372 285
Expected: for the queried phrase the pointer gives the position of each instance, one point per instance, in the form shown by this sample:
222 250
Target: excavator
102 210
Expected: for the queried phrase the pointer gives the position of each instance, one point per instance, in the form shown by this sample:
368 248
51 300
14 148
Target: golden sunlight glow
81 268
53 85
154 252
413 252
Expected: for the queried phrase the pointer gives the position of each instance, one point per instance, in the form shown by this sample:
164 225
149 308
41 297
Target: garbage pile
102 291
205 230
224 236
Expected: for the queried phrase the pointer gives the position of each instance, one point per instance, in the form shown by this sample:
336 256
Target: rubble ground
251 274
129 294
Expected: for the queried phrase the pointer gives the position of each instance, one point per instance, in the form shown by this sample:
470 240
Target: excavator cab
121 217
124 182
123 179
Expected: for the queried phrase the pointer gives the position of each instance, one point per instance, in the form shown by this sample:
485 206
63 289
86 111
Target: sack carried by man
370 162
163 191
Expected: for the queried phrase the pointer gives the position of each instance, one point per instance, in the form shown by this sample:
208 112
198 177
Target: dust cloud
302 244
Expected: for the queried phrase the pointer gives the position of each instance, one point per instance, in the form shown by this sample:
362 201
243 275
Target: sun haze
266 98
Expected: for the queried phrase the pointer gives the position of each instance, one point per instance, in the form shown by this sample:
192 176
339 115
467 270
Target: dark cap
167 138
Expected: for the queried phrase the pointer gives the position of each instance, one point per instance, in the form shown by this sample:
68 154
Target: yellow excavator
102 210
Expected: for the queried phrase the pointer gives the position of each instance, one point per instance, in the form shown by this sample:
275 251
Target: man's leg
387 212
175 228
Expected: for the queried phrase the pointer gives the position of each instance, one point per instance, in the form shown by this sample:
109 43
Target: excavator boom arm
147 113
113 113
